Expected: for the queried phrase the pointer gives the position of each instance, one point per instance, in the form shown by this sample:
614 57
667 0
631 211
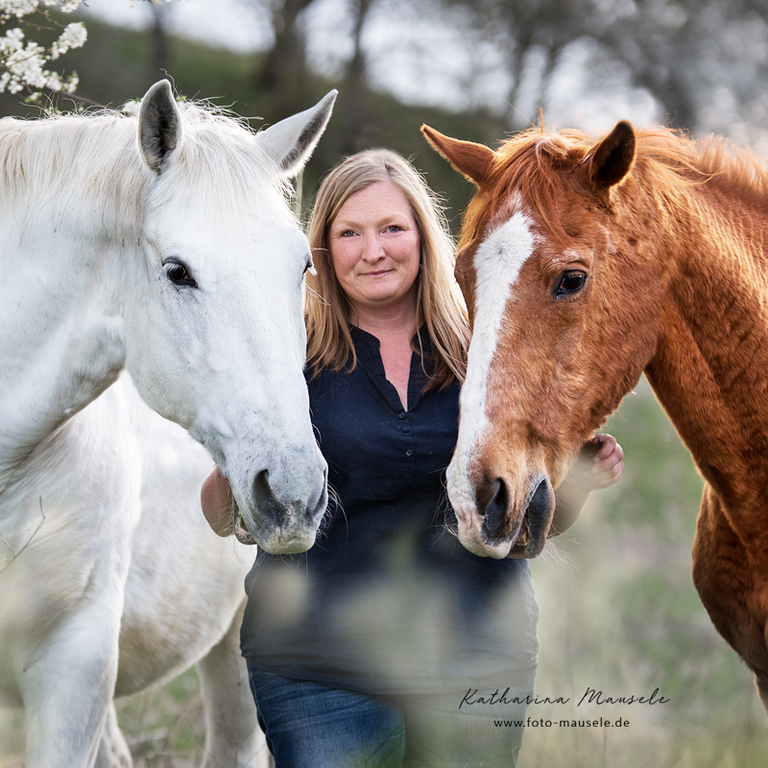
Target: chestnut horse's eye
178 274
570 283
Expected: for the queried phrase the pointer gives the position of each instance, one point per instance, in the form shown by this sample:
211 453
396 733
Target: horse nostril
495 512
539 515
264 498
540 501
499 498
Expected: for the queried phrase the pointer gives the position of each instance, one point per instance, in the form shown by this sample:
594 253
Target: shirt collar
358 334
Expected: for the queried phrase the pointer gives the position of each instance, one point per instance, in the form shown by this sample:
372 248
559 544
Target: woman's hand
607 461
600 464
216 500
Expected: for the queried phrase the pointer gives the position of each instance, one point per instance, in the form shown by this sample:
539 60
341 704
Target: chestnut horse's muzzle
525 529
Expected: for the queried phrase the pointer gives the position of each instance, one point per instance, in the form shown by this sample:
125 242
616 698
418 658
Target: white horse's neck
61 334
66 234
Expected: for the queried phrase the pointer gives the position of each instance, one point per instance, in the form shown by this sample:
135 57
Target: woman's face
375 249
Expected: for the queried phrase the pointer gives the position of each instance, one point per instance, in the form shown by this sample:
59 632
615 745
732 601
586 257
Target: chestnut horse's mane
536 161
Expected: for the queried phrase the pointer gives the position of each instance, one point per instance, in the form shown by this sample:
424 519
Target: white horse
176 258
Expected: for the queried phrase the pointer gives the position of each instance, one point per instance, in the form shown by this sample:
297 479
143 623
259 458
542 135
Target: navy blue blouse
387 600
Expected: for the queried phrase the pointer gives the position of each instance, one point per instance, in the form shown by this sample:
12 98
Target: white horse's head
214 331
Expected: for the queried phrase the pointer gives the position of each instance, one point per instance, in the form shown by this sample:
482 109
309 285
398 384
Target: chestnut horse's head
559 297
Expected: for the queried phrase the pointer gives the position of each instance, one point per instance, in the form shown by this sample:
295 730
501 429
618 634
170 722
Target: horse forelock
220 161
528 164
90 166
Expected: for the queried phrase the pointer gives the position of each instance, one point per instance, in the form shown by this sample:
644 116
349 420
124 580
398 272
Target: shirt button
406 430
409 452
401 415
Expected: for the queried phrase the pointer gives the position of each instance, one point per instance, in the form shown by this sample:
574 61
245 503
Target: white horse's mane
69 161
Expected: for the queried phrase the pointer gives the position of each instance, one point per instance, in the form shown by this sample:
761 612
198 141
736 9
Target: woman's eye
346 233
394 228
570 283
179 275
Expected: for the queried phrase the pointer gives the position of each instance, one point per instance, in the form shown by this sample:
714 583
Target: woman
362 651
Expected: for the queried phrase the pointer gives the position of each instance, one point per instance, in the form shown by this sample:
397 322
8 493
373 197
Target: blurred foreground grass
164 727
619 614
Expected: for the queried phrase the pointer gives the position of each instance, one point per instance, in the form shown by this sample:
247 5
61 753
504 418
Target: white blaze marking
497 264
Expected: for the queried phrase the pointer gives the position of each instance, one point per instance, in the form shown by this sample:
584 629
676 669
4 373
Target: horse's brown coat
672 235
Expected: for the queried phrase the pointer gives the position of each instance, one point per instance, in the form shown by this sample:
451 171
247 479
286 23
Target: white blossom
73 36
131 107
21 8
17 8
25 61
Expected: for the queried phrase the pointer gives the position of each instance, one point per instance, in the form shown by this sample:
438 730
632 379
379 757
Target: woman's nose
373 249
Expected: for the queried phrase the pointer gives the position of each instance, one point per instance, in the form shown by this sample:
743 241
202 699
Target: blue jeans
309 725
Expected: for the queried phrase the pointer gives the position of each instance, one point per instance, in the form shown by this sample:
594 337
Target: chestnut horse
584 265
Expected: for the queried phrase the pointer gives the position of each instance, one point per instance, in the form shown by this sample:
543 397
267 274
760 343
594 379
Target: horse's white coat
101 536
497 263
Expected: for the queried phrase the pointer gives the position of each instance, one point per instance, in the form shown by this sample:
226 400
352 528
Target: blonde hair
439 303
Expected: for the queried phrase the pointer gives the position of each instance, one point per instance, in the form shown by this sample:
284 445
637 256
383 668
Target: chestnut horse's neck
710 370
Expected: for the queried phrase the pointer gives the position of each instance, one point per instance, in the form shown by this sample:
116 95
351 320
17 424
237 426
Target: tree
161 49
282 73
352 102
703 60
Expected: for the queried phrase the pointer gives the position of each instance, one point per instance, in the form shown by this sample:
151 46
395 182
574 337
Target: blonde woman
384 644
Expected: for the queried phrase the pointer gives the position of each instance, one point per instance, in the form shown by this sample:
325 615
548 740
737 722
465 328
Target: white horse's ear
159 125
291 141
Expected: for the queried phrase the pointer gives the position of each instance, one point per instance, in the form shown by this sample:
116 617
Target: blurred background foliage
619 611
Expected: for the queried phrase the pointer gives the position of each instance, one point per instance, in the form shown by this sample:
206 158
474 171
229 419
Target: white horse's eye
178 274
310 265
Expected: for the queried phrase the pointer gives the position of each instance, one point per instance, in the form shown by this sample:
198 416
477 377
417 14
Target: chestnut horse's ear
475 161
609 161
